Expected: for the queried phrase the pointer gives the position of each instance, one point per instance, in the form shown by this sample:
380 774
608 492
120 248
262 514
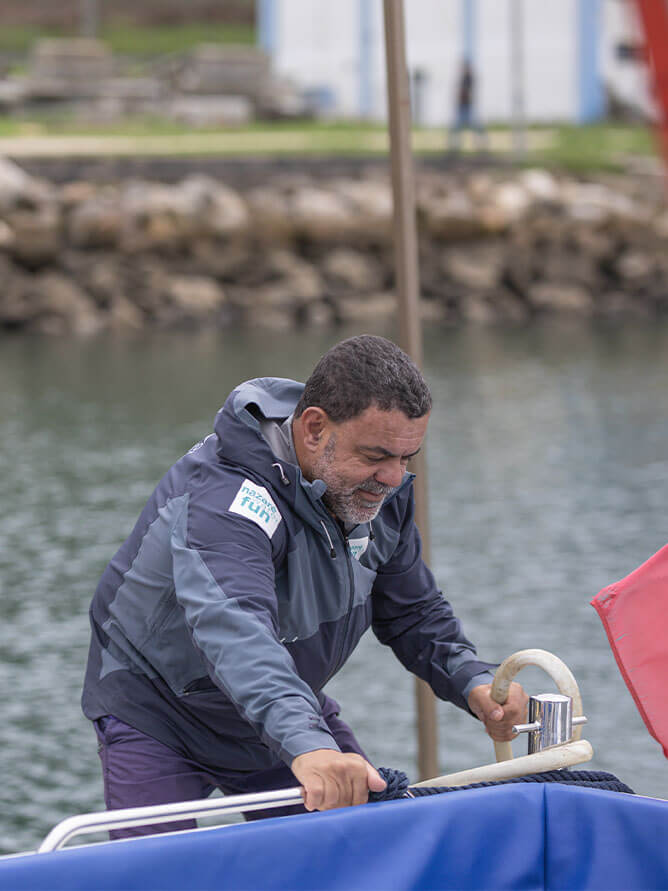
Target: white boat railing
104 821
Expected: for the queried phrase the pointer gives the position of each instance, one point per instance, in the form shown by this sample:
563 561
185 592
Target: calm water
548 456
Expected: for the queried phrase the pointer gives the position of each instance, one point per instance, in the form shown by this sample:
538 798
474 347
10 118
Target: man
257 564
465 117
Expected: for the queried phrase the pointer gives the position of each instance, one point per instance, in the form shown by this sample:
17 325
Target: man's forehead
388 431
393 417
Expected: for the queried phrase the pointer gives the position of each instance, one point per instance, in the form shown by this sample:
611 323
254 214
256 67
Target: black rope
397 783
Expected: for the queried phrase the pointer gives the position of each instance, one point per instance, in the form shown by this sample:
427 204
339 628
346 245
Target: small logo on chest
358 546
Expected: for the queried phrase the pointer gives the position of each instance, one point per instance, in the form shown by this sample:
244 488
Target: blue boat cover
515 836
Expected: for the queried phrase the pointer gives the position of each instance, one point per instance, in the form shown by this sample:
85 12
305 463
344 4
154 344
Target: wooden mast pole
408 291
517 77
89 17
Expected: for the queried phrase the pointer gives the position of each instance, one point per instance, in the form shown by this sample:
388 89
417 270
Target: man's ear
315 424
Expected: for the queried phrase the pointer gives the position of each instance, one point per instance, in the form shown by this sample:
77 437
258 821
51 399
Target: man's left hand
499 719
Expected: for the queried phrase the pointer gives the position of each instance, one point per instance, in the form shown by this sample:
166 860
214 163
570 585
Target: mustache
375 488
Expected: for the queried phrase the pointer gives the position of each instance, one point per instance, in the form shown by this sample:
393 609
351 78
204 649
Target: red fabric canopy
634 613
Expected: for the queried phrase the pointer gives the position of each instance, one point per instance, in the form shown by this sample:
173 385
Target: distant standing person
465 118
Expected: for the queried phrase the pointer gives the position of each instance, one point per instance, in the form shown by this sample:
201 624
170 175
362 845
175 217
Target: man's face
363 459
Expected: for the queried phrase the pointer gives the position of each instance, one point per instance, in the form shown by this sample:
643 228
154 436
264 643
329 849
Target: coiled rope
397 783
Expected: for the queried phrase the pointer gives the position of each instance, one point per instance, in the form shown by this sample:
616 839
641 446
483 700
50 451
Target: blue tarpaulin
504 837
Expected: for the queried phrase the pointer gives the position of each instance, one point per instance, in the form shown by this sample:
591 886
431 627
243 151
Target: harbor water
548 479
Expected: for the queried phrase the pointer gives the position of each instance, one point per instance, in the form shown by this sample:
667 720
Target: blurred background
193 195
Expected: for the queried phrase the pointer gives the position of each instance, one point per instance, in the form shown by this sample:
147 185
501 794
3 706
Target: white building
553 58
626 79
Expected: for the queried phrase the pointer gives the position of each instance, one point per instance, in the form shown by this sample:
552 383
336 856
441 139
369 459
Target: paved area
251 143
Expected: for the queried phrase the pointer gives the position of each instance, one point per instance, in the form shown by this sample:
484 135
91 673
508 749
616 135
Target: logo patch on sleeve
255 503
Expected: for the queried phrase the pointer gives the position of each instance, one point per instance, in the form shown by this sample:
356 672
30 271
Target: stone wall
300 250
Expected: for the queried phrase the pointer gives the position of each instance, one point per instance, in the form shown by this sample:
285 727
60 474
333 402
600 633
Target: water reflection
548 480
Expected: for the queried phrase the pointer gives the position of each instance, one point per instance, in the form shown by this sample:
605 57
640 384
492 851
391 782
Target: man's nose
390 473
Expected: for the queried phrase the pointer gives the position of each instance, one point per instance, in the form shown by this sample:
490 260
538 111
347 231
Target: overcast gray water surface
548 479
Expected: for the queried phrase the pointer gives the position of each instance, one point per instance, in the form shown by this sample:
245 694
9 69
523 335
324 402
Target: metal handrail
165 813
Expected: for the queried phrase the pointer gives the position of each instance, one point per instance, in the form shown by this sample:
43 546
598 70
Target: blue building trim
468 30
267 24
365 58
591 103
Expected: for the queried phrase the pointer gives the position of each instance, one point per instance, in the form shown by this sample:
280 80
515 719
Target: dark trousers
138 770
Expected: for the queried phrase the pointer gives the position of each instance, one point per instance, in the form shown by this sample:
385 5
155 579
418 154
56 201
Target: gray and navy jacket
237 597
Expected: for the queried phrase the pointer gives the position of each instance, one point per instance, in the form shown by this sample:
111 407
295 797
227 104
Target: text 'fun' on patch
255 503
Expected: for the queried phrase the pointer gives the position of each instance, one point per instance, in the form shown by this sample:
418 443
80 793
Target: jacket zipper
351 597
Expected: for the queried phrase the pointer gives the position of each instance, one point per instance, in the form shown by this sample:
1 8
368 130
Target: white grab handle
552 665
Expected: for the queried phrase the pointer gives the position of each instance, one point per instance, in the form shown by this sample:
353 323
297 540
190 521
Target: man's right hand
333 779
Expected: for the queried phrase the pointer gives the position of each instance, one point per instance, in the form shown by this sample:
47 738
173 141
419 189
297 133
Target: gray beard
344 501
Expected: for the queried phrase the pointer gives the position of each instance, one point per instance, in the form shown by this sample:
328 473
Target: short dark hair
363 371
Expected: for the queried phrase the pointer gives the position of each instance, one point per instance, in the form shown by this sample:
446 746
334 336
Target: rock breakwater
494 246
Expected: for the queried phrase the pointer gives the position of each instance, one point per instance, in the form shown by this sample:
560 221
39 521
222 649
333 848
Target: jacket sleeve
411 616
224 580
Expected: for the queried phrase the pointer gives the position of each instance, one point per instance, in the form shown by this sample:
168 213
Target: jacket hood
241 443
237 424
